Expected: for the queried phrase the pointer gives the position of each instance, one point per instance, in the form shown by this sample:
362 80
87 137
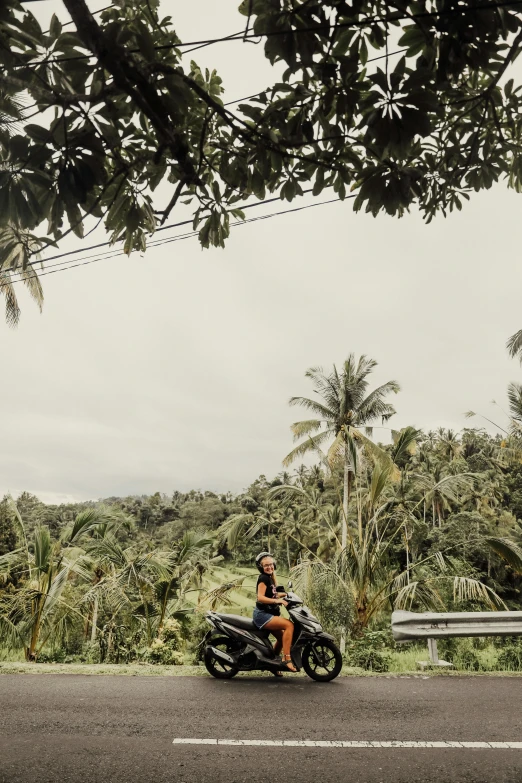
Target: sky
173 371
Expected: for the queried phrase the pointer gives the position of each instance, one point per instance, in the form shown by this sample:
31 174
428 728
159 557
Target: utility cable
161 228
169 240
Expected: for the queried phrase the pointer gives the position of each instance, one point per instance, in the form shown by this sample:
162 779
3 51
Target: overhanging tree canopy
396 103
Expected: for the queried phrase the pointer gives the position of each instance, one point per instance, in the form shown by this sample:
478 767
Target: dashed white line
351 743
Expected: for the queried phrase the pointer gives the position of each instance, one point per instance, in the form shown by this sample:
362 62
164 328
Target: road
92 729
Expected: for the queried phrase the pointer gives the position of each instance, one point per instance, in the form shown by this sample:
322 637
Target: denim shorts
261 618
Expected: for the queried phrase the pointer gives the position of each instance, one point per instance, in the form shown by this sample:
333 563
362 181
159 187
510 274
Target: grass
148 670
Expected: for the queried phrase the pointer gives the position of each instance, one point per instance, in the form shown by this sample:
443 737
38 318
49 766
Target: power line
169 240
161 228
246 35
152 243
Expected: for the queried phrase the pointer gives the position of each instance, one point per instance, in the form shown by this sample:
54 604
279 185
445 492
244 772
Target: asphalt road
87 729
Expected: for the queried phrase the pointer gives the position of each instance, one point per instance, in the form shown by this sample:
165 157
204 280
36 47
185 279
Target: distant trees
431 519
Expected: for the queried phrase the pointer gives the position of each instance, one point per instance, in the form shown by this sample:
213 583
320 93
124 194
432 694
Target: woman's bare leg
287 628
278 646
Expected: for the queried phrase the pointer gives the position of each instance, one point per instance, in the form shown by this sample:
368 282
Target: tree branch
131 80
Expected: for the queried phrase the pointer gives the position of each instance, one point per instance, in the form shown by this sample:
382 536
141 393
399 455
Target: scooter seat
239 622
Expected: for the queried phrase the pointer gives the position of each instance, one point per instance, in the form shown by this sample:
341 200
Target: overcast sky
173 371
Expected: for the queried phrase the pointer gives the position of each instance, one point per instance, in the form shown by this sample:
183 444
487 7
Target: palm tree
448 444
39 611
441 491
343 405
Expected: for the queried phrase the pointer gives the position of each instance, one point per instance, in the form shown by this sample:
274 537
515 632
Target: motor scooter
235 645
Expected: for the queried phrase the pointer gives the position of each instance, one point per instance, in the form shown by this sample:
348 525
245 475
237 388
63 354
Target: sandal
287 659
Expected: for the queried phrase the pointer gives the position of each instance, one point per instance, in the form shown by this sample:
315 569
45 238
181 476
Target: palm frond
221 594
508 550
375 405
376 453
418 592
12 308
313 443
514 394
320 410
232 528
467 589
404 443
42 548
302 428
514 345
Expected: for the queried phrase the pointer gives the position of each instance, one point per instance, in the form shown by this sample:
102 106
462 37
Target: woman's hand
282 602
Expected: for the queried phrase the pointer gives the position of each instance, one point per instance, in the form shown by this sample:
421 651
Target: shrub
466 657
52 656
199 628
510 657
369 652
465 654
166 649
159 652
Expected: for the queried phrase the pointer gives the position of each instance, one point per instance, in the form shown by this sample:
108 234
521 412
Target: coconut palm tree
363 572
343 405
40 609
448 444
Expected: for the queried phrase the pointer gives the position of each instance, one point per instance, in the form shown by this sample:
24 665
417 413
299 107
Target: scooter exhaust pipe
224 656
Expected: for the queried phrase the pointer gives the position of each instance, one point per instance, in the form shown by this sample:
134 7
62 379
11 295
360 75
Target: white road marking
351 743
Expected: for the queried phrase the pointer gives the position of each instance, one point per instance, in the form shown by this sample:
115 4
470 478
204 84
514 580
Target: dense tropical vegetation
430 520
392 104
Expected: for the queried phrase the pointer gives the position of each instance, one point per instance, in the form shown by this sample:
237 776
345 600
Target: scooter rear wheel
215 666
322 660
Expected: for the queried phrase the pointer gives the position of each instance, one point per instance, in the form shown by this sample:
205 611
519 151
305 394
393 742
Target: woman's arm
264 599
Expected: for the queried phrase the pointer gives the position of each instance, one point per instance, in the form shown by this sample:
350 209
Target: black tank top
271 592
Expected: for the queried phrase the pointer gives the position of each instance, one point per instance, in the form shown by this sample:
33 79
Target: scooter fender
223 655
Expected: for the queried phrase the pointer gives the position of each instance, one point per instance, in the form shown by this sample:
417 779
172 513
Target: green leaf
55 27
37 133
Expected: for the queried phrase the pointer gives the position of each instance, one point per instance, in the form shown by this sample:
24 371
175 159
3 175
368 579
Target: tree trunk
407 554
94 619
344 535
346 498
361 622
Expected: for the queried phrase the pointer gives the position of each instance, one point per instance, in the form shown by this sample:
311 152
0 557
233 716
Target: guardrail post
432 649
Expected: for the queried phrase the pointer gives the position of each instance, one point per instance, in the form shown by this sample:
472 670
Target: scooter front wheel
215 666
322 660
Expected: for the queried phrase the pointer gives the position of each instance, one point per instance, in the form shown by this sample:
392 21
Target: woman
267 610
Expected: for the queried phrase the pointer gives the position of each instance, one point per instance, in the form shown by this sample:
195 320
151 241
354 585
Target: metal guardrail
408 626
412 626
